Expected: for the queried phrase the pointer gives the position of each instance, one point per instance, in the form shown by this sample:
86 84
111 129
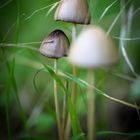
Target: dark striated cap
75 11
55 45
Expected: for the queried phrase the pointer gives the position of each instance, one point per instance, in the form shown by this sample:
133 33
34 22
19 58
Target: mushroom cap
55 45
93 49
75 11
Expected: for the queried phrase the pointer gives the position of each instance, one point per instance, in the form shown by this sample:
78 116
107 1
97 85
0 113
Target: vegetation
27 109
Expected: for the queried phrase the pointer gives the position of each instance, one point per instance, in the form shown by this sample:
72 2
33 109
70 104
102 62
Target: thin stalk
74 87
68 129
65 107
56 100
91 108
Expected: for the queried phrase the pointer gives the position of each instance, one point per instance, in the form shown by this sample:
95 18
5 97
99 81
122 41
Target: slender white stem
73 32
56 100
91 126
65 106
74 68
74 87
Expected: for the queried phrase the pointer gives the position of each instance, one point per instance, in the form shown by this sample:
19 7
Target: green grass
26 77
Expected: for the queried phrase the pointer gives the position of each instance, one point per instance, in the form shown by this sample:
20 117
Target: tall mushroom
92 49
56 46
76 12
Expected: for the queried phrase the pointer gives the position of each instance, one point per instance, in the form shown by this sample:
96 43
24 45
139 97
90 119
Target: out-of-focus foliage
27 113
136 88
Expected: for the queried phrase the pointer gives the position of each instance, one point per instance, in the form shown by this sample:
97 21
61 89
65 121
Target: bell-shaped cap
93 49
75 11
55 45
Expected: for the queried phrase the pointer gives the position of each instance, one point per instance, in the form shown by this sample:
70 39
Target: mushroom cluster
91 49
56 46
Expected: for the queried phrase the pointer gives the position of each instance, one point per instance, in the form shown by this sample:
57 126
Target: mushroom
75 11
56 46
92 49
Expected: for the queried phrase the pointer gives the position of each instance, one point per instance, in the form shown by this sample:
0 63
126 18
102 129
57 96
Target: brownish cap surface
55 45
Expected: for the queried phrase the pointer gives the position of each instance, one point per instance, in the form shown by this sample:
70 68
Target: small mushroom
75 11
92 49
55 45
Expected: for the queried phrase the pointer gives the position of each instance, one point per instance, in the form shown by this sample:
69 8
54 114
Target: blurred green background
28 111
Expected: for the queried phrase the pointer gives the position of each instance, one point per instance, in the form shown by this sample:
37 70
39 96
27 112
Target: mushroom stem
74 32
65 107
74 87
91 108
56 100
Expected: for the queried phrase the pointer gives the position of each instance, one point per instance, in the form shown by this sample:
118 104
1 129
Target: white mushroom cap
56 45
75 11
93 49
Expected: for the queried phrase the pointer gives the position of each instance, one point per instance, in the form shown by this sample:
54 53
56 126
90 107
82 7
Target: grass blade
77 137
41 9
117 17
6 3
108 133
55 76
34 80
14 85
52 7
107 8
74 119
84 84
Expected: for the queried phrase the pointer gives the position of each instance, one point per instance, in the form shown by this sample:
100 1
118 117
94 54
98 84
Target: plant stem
65 107
74 87
60 132
91 108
